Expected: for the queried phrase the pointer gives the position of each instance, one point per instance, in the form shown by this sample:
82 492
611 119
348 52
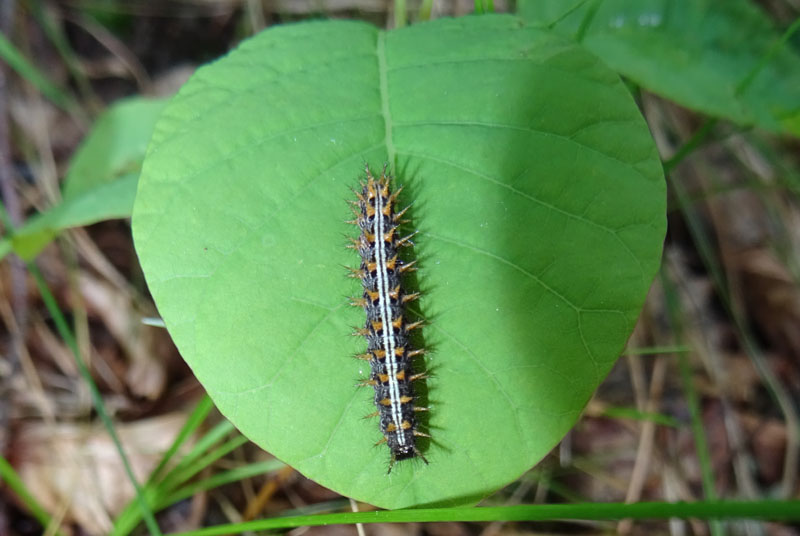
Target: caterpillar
384 300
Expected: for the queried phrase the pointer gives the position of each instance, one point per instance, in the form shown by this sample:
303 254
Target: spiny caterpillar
389 350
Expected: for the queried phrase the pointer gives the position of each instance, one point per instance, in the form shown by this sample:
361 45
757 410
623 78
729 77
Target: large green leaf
540 202
101 181
710 55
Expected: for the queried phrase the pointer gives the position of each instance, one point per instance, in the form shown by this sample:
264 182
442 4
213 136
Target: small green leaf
699 53
115 147
540 204
104 202
101 181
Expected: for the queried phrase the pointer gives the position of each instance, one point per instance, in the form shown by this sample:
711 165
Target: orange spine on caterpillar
389 350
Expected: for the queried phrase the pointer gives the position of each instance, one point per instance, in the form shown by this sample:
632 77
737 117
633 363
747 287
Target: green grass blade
176 478
692 400
54 31
771 381
425 10
586 21
131 516
212 436
400 13
234 475
658 350
66 334
697 139
767 57
771 510
11 55
15 483
634 414
160 498
196 418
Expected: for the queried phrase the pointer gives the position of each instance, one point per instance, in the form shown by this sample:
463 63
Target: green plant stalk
69 339
15 483
615 412
587 21
692 399
29 72
697 139
55 33
772 510
742 86
425 10
400 13
130 517
484 6
698 431
658 350
564 15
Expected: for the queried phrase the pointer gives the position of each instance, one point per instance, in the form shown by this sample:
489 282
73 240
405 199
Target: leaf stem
400 13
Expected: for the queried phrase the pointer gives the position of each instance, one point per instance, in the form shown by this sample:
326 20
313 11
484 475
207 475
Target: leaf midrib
384 88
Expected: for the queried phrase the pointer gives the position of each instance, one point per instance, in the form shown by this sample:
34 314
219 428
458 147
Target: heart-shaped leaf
540 204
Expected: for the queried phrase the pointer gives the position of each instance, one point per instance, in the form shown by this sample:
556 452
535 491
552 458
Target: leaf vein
529 130
384 86
613 232
508 263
